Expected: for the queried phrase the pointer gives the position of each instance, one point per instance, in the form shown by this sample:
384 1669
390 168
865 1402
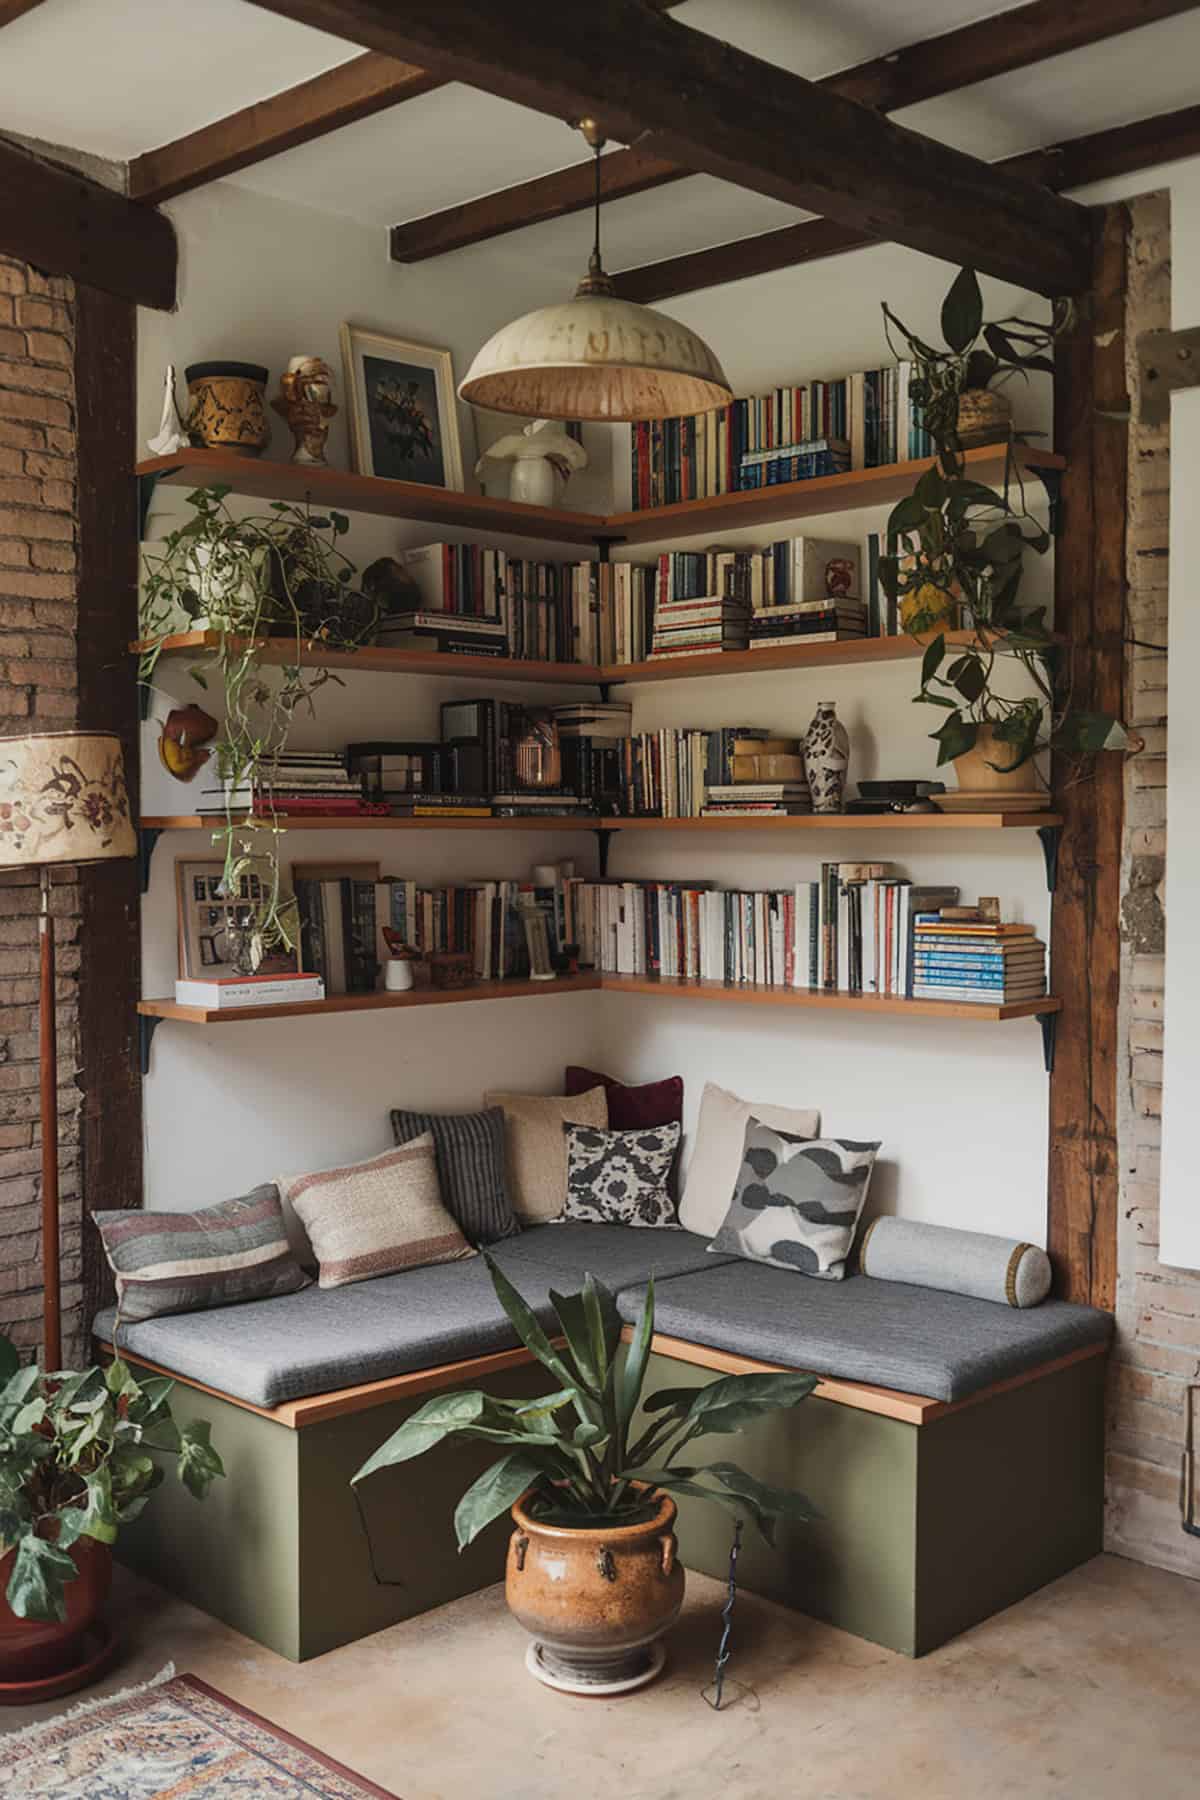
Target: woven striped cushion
174 1262
376 1217
469 1148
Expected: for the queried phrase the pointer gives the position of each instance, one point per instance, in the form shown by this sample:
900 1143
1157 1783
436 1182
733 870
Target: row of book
859 421
293 784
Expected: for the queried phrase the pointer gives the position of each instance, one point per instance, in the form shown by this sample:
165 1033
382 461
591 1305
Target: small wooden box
451 969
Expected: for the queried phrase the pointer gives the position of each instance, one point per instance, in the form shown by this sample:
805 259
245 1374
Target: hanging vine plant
957 548
280 574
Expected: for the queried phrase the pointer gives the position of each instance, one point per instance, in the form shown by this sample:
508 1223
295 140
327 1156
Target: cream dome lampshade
63 801
596 356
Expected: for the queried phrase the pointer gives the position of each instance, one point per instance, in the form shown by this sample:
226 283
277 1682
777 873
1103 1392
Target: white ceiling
117 77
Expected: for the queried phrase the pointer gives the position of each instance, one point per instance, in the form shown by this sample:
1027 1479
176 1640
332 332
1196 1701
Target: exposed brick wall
38 549
1158 1308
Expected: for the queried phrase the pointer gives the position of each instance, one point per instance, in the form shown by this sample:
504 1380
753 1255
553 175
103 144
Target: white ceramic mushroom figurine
538 453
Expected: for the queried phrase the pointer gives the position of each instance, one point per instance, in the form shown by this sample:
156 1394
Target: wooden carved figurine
306 401
180 743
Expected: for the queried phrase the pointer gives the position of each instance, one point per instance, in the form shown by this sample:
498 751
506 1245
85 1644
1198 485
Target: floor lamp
63 803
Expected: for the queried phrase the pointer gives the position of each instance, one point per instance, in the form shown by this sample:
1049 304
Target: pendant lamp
596 356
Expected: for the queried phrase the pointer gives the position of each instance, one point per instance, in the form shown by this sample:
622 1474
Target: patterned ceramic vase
227 410
826 757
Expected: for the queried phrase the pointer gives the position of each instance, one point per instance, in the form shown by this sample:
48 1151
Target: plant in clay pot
78 1459
593 1568
956 551
276 574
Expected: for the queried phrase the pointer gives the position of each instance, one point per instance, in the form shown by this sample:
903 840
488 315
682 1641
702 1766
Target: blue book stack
976 961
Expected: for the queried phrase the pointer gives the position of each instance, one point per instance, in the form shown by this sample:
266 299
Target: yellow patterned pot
226 409
595 1599
984 416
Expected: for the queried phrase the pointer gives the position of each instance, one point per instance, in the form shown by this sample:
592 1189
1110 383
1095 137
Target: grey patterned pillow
621 1177
798 1201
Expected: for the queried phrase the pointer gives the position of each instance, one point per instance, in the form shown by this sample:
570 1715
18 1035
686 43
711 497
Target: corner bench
939 1508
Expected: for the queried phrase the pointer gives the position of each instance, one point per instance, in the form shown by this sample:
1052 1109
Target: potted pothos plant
956 553
80 1456
588 1471
280 574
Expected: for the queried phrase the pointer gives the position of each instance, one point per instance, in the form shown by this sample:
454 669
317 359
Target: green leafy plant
575 1449
78 1458
278 574
956 551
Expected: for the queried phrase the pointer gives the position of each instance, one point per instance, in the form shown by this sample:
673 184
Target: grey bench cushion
883 1332
268 1351
614 1254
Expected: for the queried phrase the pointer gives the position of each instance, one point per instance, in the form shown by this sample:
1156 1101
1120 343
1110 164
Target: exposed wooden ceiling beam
1026 35
716 109
15 9
340 96
60 221
1099 156
354 90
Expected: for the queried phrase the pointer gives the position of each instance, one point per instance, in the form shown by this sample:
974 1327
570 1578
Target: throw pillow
631 1108
621 1177
175 1262
376 1217
469 1149
536 1150
797 1201
717 1153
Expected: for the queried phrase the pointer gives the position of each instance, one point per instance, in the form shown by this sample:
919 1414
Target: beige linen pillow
717 1153
536 1146
376 1217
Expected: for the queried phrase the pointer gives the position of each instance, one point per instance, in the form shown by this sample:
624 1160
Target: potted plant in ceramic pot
956 551
78 1459
593 1568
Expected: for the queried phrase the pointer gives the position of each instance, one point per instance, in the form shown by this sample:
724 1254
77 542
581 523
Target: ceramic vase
826 758
226 409
531 480
984 416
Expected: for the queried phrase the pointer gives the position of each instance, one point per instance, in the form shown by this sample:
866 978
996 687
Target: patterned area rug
174 1739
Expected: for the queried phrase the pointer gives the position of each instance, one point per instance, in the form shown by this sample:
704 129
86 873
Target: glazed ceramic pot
33 1649
826 749
531 479
226 407
596 1599
984 417
927 610
977 775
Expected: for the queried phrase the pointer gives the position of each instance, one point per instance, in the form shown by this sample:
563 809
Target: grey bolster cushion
957 1262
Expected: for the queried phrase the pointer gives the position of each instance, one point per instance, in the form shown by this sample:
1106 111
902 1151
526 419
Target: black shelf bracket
1050 836
1051 480
148 836
603 845
148 1024
1049 1024
146 487
605 690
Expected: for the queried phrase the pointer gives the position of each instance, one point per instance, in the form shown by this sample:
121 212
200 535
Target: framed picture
403 414
205 915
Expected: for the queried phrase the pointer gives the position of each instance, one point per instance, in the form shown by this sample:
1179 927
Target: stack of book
449 634
296 783
974 959
815 622
793 462
782 799
228 992
397 771
540 803
699 627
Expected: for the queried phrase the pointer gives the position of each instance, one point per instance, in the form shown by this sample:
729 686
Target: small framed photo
205 916
403 412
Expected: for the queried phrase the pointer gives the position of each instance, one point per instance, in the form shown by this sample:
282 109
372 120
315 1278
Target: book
230 992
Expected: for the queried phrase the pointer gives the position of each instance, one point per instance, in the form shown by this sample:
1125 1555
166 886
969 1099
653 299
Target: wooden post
1091 413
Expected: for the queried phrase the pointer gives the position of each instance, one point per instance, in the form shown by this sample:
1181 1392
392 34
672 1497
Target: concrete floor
1090 1690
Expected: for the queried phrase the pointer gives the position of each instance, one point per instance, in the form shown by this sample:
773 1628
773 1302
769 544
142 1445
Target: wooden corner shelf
372 660
358 1003
1023 821
834 1000
367 822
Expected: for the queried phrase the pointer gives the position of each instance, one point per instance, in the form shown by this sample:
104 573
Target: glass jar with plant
588 1470
79 1458
955 557
281 574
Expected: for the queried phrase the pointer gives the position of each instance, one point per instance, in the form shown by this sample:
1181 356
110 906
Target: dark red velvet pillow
631 1108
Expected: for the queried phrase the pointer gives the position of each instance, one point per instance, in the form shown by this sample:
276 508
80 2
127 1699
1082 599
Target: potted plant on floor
593 1571
78 1459
956 551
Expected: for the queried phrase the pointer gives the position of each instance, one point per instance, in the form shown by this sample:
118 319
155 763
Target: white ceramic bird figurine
171 437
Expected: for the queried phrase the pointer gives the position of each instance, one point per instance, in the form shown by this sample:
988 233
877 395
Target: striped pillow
174 1262
469 1148
376 1217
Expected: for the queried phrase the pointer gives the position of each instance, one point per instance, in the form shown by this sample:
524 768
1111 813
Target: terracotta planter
595 1600
984 417
33 1649
977 776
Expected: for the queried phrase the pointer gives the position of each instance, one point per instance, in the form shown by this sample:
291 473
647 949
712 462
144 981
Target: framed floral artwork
403 414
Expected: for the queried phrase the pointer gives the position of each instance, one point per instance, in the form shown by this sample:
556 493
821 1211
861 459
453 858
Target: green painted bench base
926 1529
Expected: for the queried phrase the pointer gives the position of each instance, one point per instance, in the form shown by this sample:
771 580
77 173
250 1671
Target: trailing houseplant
957 547
79 1457
280 573
592 1569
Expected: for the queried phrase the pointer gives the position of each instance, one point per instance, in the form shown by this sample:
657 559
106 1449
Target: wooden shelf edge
365 822
557 822
354 1003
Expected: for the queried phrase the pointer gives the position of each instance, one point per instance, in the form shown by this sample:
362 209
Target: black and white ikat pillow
620 1177
798 1201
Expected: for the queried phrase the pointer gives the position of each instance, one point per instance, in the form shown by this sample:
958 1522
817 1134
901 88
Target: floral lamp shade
63 799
